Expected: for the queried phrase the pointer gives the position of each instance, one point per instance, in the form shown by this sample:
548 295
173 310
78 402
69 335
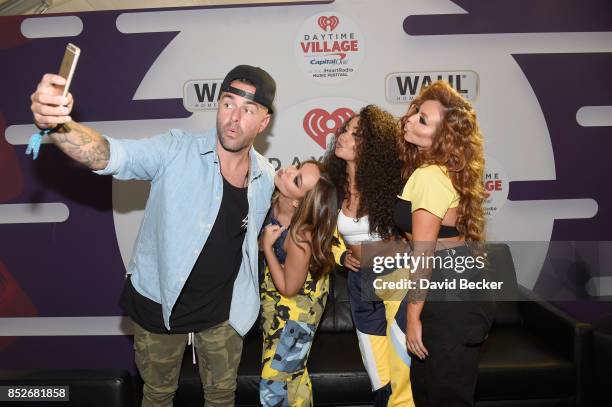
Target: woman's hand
414 338
270 234
351 262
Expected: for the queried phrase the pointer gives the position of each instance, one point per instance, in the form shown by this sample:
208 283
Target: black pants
447 377
454 327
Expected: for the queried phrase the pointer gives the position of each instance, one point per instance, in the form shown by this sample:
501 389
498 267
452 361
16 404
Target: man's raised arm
79 142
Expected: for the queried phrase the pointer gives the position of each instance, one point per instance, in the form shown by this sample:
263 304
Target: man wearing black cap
193 274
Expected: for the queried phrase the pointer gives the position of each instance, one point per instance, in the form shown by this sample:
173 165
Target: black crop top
402 216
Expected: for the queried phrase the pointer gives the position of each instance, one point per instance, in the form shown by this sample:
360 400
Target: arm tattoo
83 144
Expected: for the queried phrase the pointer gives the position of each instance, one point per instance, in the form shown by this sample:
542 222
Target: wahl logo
320 124
404 86
201 94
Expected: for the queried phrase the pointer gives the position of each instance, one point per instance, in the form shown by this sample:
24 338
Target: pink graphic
319 123
11 182
10 32
14 302
328 23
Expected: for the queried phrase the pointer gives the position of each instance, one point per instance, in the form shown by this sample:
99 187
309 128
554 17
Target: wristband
34 143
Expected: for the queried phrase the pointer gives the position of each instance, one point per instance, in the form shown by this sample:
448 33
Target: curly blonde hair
457 145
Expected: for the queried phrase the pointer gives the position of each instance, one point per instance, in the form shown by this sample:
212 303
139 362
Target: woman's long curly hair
316 215
458 146
378 168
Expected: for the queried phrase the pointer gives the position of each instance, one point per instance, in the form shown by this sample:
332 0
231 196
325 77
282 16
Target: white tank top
355 231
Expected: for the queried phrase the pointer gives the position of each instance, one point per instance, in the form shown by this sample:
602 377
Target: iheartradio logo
319 123
328 23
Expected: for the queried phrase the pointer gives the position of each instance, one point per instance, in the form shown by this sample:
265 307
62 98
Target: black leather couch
536 355
602 361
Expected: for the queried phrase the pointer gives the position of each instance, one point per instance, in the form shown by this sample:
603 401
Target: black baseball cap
265 87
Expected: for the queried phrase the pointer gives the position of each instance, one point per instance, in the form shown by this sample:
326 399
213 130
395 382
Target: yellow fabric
276 309
299 391
374 350
394 294
337 250
401 387
431 189
383 362
380 357
380 352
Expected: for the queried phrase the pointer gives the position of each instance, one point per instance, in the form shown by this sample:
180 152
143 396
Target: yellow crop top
430 188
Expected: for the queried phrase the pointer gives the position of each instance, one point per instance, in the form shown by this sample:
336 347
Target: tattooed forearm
83 144
84 139
422 273
421 277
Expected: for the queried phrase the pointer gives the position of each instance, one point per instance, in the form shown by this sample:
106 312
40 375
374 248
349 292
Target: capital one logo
319 124
328 23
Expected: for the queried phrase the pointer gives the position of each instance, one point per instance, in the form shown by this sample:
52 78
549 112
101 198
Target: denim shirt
185 196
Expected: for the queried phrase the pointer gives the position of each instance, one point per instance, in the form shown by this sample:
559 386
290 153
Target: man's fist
49 107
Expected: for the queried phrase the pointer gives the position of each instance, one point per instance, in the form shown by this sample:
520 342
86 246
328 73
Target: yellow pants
386 359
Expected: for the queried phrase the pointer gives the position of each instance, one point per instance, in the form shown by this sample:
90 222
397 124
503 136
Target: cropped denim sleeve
141 159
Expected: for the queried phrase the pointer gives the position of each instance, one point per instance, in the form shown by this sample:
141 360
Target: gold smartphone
71 56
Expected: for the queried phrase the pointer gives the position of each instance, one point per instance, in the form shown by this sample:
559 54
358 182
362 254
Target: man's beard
225 145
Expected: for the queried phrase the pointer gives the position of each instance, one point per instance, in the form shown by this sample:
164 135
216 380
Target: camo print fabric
288 326
159 356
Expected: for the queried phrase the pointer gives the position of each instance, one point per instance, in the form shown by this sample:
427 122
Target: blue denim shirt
185 196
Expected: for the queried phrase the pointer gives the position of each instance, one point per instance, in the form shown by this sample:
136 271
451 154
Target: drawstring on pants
191 341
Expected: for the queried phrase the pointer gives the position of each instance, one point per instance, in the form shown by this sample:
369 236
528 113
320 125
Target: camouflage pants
159 357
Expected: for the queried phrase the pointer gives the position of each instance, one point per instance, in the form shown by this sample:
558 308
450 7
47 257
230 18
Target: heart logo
328 23
319 123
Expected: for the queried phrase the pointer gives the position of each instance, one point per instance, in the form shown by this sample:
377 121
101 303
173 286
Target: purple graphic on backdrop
111 67
562 83
81 252
73 268
516 16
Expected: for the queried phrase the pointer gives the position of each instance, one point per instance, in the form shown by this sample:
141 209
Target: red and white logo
329 47
496 187
319 124
305 130
328 23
